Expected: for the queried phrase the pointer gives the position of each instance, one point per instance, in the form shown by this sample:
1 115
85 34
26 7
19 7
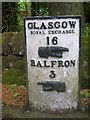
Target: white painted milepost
52 47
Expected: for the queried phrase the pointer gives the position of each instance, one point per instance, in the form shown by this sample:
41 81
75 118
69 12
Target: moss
18 44
20 65
14 76
84 63
9 61
13 42
6 42
5 63
0 38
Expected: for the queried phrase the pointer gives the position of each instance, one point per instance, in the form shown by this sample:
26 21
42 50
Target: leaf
16 95
87 94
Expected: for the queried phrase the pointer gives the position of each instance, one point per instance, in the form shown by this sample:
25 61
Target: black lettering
73 31
31 32
43 26
50 25
52 74
45 64
68 31
32 63
53 63
64 24
72 24
57 24
35 27
40 32
72 63
30 25
66 63
36 32
63 32
39 64
60 64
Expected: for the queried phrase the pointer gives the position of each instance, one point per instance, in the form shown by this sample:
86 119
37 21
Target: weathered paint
52 100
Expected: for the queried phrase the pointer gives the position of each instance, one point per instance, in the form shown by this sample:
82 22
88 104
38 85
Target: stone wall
13 48
84 74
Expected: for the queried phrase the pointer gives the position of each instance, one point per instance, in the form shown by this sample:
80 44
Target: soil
16 97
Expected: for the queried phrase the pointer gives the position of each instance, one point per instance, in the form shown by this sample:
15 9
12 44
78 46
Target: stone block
53 63
21 65
5 63
0 44
9 61
18 44
6 43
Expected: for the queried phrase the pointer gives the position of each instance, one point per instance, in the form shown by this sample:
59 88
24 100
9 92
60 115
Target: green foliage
20 65
14 76
84 63
86 31
12 15
21 6
12 87
43 11
20 26
23 11
16 95
87 94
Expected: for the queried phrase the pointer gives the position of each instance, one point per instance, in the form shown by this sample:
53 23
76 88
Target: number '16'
54 41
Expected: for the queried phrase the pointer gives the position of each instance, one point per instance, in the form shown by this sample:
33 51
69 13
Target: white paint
53 100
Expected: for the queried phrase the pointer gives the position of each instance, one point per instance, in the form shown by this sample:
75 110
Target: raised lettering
30 25
45 64
72 24
52 74
60 64
39 64
50 25
72 63
64 24
32 63
43 26
53 63
35 27
57 24
66 63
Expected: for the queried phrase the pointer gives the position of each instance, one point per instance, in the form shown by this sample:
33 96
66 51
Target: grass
14 76
86 31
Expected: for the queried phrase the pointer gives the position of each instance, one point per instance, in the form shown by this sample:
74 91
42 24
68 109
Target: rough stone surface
7 51
0 44
9 61
84 61
5 63
53 100
13 48
18 44
6 43
18 112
